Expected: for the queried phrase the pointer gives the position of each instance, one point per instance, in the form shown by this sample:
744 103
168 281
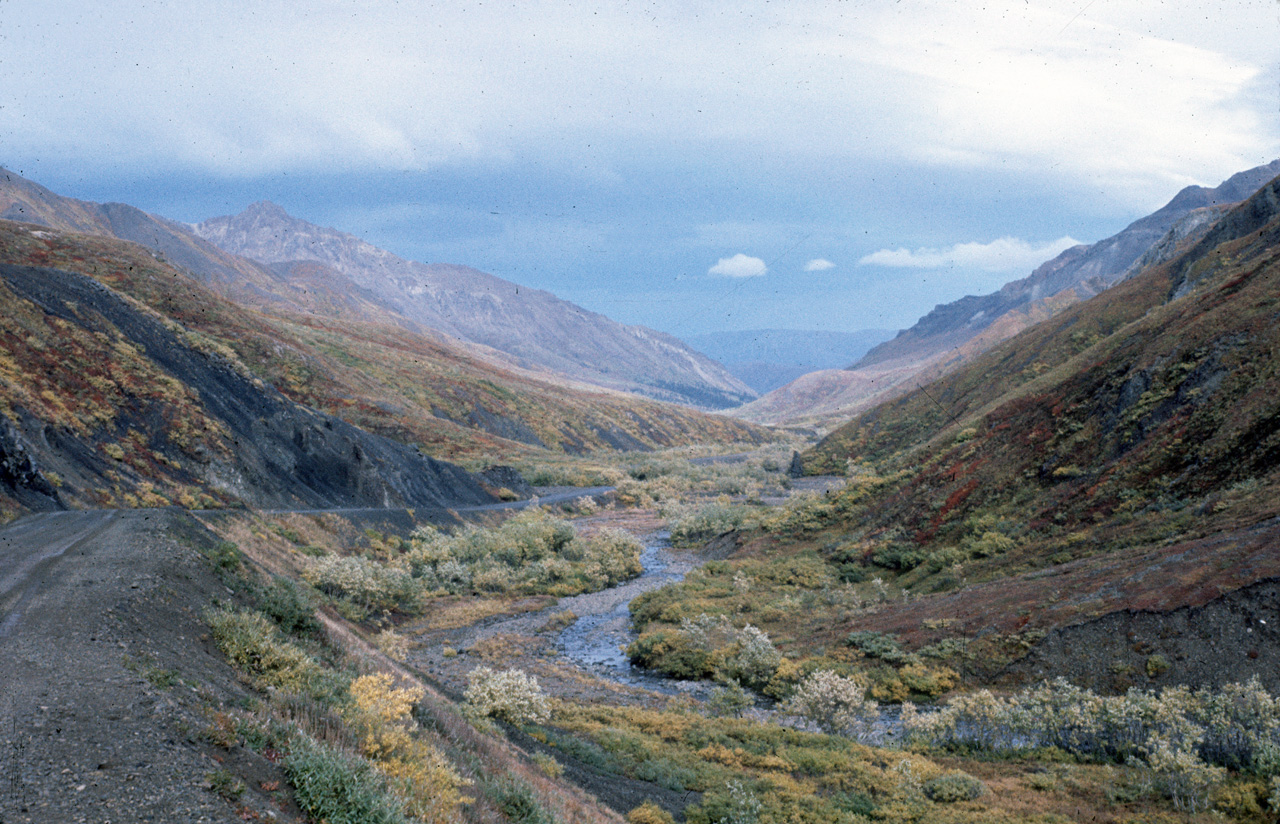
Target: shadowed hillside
108 403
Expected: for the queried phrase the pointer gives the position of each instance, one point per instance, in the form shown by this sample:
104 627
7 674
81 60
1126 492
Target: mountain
327 343
766 359
953 333
534 327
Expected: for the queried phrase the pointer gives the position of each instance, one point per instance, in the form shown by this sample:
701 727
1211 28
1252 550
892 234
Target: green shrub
516 801
532 553
954 786
339 788
730 701
251 642
1157 665
225 556
691 526
289 606
990 544
672 653
224 783
899 558
873 644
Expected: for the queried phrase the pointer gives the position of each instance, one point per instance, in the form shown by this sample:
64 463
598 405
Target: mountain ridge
955 332
532 325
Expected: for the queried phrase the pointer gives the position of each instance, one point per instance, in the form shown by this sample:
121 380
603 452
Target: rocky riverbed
575 645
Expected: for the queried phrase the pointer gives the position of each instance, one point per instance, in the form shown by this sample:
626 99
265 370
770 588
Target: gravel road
100 646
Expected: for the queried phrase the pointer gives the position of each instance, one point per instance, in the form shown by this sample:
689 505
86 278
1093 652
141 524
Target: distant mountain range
956 332
765 359
535 328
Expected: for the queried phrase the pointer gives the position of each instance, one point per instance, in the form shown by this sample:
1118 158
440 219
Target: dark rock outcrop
20 476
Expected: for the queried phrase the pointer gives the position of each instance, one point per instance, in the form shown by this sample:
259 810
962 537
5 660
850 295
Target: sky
690 166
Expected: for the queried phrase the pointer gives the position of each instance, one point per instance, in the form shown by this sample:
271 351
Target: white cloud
1124 93
739 266
1000 255
819 265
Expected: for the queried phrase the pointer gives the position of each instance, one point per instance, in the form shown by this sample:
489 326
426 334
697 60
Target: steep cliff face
534 327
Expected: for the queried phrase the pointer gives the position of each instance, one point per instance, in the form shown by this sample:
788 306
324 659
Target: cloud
1001 254
1114 92
819 265
739 266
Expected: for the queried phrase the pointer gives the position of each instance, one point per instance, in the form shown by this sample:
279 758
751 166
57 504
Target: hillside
107 403
1111 473
1147 414
956 332
534 327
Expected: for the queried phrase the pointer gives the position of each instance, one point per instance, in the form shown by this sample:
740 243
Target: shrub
532 553
421 776
339 788
1157 665
672 653
511 695
549 766
751 660
289 606
224 783
872 644
649 813
225 556
516 801
952 787
251 642
730 701
990 544
691 526
392 644
900 558
1181 774
837 705
366 583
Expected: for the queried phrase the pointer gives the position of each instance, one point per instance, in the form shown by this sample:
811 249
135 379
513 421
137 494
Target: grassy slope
379 377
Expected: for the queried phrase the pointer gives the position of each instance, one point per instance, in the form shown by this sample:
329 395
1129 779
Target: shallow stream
598 639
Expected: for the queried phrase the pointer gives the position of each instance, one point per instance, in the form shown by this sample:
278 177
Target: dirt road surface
101 646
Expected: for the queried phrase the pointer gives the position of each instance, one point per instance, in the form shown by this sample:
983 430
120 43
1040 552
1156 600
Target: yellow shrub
423 777
649 813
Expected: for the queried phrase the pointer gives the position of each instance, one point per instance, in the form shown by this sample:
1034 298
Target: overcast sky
689 166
